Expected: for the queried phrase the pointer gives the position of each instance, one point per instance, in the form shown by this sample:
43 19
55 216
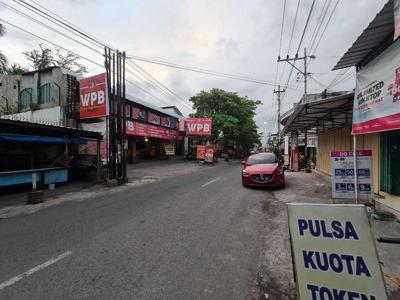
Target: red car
263 169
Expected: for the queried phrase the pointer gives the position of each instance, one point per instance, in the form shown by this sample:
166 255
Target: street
195 236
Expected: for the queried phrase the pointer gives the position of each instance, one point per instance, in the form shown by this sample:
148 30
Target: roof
152 106
321 115
173 108
23 127
377 33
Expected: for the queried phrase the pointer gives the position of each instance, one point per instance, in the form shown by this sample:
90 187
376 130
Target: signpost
343 185
334 253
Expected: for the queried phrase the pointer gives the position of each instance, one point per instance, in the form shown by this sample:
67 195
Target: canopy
39 139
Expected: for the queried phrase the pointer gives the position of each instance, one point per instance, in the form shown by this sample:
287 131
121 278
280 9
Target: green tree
46 57
232 115
16 69
40 58
3 57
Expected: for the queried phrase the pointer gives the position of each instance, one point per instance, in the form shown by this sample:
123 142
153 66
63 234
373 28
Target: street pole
305 75
279 91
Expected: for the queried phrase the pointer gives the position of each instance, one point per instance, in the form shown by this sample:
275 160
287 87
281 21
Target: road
195 236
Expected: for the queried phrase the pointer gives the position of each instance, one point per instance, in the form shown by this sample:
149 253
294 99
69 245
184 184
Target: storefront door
390 162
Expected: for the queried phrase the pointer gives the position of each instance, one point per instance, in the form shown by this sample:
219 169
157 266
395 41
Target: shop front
149 141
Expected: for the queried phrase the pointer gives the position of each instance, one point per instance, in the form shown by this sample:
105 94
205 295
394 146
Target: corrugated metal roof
375 34
321 115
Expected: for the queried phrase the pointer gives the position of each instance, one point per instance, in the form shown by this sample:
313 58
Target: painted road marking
214 180
33 270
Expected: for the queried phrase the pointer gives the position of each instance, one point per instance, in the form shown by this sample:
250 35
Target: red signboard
148 130
198 126
351 153
93 97
209 155
201 152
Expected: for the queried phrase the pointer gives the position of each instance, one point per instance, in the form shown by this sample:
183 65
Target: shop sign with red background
201 152
198 126
140 129
209 155
93 96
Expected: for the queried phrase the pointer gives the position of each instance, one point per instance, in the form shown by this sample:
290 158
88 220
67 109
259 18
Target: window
46 94
390 163
25 98
262 158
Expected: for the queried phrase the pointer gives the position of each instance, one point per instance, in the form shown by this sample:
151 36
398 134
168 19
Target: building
375 55
49 95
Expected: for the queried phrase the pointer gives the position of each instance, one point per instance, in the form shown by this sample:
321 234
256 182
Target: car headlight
244 172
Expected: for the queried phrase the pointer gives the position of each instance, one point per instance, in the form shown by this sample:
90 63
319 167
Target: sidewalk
145 172
275 276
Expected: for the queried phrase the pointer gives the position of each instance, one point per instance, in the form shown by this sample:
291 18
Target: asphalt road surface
194 236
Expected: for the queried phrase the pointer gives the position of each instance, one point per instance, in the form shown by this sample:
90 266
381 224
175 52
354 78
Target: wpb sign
198 126
93 96
334 253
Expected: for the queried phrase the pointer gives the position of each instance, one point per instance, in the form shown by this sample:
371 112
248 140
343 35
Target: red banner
201 152
93 96
147 130
351 153
198 126
209 155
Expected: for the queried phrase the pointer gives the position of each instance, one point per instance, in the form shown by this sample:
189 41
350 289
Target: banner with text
93 96
334 252
343 174
198 126
141 129
377 95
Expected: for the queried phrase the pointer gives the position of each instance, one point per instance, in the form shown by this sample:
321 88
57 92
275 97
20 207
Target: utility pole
304 73
279 91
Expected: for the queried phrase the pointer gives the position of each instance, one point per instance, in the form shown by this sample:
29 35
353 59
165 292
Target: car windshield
262 158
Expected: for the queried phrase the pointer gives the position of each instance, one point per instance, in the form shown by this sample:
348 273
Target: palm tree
3 57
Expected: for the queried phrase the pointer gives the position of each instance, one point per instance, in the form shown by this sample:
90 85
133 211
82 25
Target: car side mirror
243 162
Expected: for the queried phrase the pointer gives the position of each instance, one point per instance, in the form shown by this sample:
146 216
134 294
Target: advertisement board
201 152
141 129
377 95
209 155
198 126
334 252
169 149
93 96
153 118
343 174
91 147
396 11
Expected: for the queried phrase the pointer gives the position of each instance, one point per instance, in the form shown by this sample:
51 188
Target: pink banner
141 129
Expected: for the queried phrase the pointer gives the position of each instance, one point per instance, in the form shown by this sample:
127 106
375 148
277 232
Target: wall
341 139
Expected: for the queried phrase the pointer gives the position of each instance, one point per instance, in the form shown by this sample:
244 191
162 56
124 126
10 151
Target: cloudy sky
231 36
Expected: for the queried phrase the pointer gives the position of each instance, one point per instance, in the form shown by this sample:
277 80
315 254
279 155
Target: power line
327 23
54 44
305 27
16 11
319 23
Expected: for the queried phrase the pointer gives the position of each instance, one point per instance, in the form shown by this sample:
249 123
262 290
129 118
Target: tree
233 117
47 57
3 57
69 61
40 58
16 69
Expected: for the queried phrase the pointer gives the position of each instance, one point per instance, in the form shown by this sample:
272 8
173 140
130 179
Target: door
390 162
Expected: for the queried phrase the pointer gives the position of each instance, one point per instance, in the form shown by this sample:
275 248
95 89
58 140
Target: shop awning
21 138
380 30
321 115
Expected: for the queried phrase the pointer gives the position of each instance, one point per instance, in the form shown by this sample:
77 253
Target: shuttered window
390 162
25 98
46 93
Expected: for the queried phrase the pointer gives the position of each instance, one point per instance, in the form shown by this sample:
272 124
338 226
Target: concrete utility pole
304 73
279 91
